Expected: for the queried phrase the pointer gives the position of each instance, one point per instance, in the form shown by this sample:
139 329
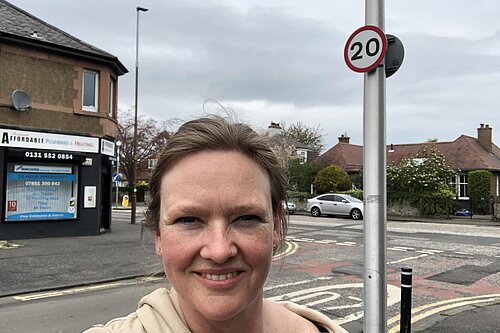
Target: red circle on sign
379 58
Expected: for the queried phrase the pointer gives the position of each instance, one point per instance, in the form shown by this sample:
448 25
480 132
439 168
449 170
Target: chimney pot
484 137
343 138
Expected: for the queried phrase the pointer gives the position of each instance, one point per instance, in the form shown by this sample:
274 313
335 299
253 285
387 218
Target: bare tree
151 136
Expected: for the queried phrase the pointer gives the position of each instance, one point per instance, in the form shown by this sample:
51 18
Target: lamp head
142 9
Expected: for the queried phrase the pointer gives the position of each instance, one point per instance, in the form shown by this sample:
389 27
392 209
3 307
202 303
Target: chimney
343 138
484 137
275 129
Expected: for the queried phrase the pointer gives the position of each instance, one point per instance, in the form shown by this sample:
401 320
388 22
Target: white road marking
429 251
307 240
396 249
346 244
326 241
332 292
404 248
406 259
464 253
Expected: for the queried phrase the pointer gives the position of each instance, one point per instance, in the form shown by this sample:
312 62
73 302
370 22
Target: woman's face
216 233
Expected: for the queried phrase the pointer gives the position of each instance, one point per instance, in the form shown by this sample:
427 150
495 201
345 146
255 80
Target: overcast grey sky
282 61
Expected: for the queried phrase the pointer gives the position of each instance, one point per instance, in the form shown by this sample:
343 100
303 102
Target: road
453 265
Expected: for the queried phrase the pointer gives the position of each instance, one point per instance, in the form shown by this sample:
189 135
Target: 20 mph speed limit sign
365 49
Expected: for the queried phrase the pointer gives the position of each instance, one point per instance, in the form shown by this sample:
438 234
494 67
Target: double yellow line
425 311
76 290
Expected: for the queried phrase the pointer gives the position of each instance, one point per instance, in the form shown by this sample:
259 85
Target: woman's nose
218 244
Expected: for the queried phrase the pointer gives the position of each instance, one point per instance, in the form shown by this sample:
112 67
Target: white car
335 204
289 207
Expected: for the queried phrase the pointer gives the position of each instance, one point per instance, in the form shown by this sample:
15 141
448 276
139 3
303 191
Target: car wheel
356 214
315 212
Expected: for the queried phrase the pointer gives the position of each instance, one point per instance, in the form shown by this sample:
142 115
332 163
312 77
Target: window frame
460 183
94 108
111 97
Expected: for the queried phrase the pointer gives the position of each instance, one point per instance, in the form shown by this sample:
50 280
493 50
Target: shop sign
47 141
107 147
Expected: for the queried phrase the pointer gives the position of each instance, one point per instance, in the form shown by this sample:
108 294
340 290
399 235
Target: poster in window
40 192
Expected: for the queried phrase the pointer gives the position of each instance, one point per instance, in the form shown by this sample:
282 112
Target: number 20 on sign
365 49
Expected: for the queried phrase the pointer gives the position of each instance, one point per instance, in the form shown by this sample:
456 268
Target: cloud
282 60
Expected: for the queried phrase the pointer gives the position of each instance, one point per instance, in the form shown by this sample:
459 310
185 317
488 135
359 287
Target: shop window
41 192
90 90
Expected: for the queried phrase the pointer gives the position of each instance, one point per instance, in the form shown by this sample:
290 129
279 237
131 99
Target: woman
217 217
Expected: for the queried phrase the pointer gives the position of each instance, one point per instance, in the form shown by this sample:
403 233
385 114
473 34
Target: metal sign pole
374 187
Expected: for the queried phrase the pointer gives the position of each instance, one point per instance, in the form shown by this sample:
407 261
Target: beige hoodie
160 312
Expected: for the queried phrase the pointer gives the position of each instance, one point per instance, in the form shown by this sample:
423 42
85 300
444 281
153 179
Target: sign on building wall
41 192
47 141
107 147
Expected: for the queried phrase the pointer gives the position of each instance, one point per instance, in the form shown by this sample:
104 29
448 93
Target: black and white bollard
406 280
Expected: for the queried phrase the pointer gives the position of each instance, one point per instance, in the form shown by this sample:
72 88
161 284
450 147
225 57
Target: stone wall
496 208
401 209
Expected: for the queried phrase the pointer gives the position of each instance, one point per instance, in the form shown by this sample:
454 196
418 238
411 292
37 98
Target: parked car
335 204
464 212
289 207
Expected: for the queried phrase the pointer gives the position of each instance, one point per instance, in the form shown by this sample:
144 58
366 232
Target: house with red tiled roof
463 154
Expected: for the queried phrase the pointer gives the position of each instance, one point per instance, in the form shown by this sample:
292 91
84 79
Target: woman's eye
249 218
187 219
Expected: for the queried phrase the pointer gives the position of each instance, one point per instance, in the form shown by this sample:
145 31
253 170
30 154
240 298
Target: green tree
301 175
479 190
332 179
304 134
423 180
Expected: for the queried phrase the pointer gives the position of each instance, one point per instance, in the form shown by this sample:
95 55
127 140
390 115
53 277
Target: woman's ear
158 243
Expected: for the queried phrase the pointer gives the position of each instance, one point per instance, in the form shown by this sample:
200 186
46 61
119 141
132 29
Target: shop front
54 184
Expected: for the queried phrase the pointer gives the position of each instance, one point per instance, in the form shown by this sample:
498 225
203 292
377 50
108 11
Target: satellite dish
21 101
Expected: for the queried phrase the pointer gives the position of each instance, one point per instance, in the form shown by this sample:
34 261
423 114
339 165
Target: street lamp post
118 145
134 154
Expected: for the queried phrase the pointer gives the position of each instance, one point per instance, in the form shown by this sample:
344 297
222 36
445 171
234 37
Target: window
111 96
327 197
498 185
41 192
338 198
152 163
302 155
461 187
90 90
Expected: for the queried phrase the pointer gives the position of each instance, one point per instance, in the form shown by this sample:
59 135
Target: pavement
43 264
